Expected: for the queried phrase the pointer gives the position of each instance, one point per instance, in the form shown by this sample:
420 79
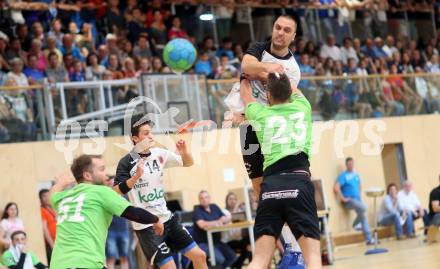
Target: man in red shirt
49 219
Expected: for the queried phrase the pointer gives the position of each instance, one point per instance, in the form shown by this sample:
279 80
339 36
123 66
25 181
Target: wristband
123 187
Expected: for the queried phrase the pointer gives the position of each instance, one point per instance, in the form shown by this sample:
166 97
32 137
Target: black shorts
251 151
159 249
287 198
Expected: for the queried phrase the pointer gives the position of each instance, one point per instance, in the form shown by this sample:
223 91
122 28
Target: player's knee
199 256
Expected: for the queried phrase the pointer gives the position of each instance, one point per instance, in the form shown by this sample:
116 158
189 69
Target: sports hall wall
28 166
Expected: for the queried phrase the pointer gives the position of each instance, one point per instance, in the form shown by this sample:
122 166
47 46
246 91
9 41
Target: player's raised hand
158 228
181 147
274 68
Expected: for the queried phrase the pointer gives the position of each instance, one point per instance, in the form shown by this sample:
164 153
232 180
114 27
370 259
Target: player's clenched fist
158 228
181 147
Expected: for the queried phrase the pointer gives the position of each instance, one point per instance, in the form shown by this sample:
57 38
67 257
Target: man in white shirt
409 201
330 49
347 51
17 74
389 47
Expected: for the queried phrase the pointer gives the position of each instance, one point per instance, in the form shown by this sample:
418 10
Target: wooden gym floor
405 254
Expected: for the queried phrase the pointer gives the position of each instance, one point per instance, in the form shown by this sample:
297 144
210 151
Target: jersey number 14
66 204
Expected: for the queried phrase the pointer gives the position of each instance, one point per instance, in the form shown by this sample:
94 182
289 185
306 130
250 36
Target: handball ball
179 54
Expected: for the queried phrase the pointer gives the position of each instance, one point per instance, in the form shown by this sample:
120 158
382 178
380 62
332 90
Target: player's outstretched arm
142 216
256 69
182 150
125 186
246 92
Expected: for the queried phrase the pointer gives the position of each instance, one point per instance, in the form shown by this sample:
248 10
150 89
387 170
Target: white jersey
148 193
261 51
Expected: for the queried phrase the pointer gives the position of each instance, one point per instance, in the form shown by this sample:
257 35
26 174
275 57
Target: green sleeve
7 259
113 202
55 199
35 260
252 110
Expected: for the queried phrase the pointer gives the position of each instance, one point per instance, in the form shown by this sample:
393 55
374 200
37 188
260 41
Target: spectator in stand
111 41
369 49
52 47
78 73
391 212
18 256
127 50
56 72
348 190
234 238
56 32
210 215
114 18
68 62
16 73
433 66
135 24
36 50
203 65
226 70
38 32
176 30
226 48
209 48
308 87
389 47
114 67
21 125
103 55
417 59
158 31
310 49
69 47
396 60
94 70
410 203
428 92
142 49
330 49
347 51
393 107
156 5
403 93
378 48
407 67
434 206
238 56
158 67
49 218
10 221
129 69
145 67
15 50
22 33
34 75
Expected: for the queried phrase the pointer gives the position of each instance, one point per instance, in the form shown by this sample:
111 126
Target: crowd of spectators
68 40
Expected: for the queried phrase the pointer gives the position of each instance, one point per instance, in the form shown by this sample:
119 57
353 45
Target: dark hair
348 159
290 18
52 53
390 186
14 234
81 164
5 211
42 192
227 197
224 54
226 40
279 87
90 56
137 123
